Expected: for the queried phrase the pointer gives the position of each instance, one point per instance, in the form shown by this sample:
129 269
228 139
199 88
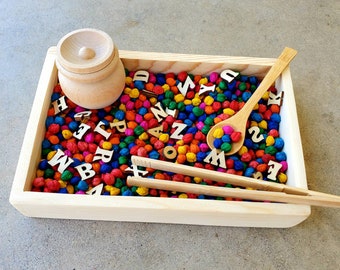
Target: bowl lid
85 50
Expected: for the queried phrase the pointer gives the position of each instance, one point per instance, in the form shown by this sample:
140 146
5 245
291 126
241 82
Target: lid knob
86 53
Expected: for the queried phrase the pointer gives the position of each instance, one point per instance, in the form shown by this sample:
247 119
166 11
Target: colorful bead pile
166 117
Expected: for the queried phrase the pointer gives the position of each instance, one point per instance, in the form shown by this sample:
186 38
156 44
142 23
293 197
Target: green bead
138 130
209 121
220 97
197 111
122 160
205 129
129 139
226 147
181 106
223 85
66 175
271 150
172 105
242 86
123 145
168 95
49 173
119 183
166 102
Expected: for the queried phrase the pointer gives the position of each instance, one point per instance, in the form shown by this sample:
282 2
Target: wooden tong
263 190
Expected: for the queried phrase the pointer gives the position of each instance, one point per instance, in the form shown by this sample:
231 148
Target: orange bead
53 139
181 158
148 116
96 167
159 176
115 140
149 86
130 116
132 124
275 108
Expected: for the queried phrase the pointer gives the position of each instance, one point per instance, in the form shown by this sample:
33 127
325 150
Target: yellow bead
179 98
191 157
203 81
263 124
282 178
134 93
153 100
122 107
114 191
128 80
166 87
62 184
270 140
208 100
67 134
197 180
265 96
182 149
183 196
253 124
196 101
243 150
70 189
164 137
142 191
218 133
187 102
107 145
50 155
144 136
127 90
180 142
229 111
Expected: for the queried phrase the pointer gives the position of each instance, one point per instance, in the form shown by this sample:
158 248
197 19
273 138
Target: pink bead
284 166
141 152
200 125
146 104
129 132
202 106
204 147
89 138
139 118
124 99
213 77
130 105
228 130
144 125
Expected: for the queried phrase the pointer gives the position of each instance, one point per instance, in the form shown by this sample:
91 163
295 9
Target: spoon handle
280 64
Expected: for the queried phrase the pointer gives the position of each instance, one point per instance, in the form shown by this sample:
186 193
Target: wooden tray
161 210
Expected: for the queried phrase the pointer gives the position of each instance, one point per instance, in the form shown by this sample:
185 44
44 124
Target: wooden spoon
239 120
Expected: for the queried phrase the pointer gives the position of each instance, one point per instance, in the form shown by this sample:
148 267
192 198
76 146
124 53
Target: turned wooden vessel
90 71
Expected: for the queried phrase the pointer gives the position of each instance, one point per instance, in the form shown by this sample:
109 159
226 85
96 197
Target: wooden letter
97 190
157 131
141 75
136 171
183 88
103 154
159 113
214 159
102 131
59 105
82 116
60 158
273 169
120 125
275 99
85 171
229 75
255 134
205 88
179 127
81 131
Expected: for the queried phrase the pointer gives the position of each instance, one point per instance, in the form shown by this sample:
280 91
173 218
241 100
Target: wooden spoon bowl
239 121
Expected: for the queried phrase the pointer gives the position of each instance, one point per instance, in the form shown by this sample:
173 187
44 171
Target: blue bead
49 121
217 143
246 96
75 180
59 120
192 117
249 172
160 78
243 78
106 193
139 85
238 165
73 126
202 117
256 117
76 162
253 80
226 138
201 197
279 143
182 116
248 143
55 96
189 108
275 117
46 144
273 125
281 156
200 156
105 168
115 164
63 190
228 95
124 152
188 122
127 192
56 147
154 154
101 114
43 164
82 185
232 85
142 111
192 130
120 115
